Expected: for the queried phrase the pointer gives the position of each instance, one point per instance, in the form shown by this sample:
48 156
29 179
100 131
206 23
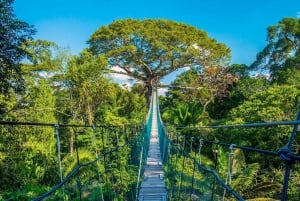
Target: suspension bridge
153 187
147 162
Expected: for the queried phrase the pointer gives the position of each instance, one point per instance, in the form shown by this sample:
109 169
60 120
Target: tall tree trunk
89 113
148 93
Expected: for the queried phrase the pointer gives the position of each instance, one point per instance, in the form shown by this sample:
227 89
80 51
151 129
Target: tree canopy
75 90
13 33
282 50
148 50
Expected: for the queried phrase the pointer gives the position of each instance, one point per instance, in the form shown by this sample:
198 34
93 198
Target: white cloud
162 91
122 80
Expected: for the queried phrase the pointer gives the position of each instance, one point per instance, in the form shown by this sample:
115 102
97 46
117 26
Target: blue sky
241 25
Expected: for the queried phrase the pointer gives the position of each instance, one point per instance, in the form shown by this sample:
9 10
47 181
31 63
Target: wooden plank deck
153 187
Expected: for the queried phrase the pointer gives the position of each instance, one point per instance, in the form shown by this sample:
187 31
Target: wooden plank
153 186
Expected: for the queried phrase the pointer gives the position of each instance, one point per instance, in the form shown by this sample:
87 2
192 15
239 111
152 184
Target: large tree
13 33
281 54
205 87
148 50
88 88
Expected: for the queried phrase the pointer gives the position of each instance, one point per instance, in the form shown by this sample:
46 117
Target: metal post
288 163
214 183
200 149
139 174
56 133
228 175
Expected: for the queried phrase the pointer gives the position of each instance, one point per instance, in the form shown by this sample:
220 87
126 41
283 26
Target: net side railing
207 163
69 162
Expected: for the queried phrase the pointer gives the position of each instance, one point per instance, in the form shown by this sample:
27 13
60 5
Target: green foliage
8 103
282 48
41 102
29 157
124 107
244 180
28 193
293 193
13 33
185 115
88 87
79 92
43 57
289 73
206 88
238 91
180 173
277 103
148 50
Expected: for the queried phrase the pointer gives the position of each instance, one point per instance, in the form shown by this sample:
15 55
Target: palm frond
245 179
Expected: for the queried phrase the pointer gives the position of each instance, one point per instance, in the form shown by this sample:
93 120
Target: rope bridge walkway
146 162
153 187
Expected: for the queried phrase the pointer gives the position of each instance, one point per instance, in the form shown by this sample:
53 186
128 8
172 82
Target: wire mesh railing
207 163
73 162
69 162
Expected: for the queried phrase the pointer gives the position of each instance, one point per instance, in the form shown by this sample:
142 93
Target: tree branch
141 62
128 73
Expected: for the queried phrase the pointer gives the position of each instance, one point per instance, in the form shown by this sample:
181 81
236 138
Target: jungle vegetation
43 83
